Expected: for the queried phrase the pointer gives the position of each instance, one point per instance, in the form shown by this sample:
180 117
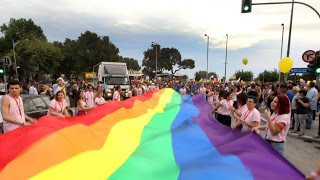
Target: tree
245 75
168 59
19 29
202 74
39 55
149 61
131 63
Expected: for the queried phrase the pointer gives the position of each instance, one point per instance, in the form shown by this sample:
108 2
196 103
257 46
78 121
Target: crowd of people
287 106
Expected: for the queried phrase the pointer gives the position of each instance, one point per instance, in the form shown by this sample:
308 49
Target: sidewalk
308 134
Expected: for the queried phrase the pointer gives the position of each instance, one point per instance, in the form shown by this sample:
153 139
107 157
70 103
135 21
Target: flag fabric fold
161 135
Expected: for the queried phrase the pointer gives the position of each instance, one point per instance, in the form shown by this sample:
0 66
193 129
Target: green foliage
202 74
168 59
245 75
131 63
185 77
36 53
19 29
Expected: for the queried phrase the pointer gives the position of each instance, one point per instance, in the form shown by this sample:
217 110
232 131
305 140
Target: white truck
112 74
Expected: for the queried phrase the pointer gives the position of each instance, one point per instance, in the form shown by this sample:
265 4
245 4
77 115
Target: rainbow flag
161 135
232 78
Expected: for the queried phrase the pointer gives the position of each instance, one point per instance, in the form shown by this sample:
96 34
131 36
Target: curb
304 137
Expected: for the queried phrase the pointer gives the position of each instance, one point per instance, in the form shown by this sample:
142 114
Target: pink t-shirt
250 117
58 106
99 101
242 110
116 96
89 98
139 91
225 107
216 97
284 118
83 104
16 107
182 91
203 90
210 98
129 93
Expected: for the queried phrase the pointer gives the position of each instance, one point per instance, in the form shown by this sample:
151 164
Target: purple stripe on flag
256 154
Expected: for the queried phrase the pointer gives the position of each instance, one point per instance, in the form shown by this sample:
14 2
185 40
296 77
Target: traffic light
317 63
246 6
1 71
312 67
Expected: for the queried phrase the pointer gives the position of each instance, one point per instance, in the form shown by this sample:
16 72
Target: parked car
37 106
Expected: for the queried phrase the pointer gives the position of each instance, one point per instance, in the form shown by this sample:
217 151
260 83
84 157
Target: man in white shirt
61 78
33 89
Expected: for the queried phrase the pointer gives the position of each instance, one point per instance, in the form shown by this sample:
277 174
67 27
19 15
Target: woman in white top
98 99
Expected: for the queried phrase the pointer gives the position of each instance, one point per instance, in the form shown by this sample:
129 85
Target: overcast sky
133 25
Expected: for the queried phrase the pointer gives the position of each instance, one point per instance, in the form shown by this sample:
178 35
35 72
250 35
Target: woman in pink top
58 106
278 122
12 109
116 94
81 105
98 99
203 89
225 109
183 90
210 96
251 118
89 97
242 108
140 90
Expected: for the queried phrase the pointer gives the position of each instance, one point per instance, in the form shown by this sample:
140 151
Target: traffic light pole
270 3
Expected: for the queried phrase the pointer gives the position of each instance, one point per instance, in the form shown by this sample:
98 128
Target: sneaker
301 134
294 131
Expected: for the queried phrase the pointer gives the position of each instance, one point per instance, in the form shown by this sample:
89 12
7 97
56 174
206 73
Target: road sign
298 70
7 61
309 56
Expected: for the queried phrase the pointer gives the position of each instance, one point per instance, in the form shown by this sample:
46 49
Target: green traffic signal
318 70
1 71
246 6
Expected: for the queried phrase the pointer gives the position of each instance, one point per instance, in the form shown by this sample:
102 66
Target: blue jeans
278 146
309 120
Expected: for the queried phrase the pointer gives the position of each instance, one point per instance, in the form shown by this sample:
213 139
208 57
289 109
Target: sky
133 25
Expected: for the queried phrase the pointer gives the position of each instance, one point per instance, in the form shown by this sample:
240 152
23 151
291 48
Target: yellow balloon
308 82
314 81
245 61
285 64
301 80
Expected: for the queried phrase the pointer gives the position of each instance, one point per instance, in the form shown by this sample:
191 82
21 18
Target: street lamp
207 53
225 66
14 54
155 44
281 49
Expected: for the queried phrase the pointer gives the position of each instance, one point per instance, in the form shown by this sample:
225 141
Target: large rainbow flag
161 135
